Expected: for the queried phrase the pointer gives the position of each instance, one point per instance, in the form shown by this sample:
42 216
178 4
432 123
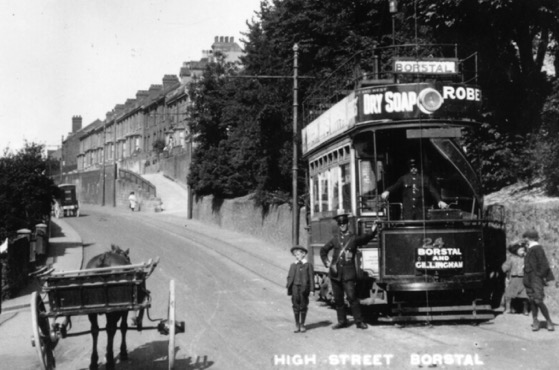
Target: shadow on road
317 325
153 356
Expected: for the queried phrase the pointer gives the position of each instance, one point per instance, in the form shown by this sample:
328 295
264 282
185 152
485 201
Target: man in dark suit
300 283
414 185
536 275
342 272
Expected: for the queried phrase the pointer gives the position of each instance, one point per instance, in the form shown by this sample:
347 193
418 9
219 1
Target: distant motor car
66 203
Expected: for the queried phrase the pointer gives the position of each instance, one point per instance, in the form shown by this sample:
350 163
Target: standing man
414 185
342 271
536 275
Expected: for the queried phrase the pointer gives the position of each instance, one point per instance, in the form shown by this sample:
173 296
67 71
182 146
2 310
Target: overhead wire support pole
295 207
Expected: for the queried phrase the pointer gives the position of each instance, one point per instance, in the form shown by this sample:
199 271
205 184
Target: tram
435 264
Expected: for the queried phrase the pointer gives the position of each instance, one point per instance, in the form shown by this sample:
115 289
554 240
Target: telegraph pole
295 216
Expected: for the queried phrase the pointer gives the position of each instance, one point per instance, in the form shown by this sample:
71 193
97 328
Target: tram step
429 318
484 307
441 313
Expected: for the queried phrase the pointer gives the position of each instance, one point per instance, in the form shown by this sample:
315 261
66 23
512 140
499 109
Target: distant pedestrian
536 275
300 284
514 268
133 201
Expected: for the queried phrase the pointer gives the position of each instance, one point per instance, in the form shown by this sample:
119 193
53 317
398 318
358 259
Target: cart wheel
41 333
171 323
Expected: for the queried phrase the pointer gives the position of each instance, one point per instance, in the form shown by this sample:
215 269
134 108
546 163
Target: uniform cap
342 217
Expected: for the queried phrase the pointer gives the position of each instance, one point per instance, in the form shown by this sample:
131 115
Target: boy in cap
300 283
536 275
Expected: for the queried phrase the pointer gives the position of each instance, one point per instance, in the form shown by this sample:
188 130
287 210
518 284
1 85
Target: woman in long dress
514 268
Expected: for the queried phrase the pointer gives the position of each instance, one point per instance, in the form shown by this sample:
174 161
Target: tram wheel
41 333
171 323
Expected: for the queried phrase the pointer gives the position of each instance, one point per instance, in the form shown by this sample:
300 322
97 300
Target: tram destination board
417 252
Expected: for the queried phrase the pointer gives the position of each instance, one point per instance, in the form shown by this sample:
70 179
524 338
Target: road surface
230 291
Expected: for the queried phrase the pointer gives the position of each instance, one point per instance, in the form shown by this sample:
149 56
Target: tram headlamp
429 100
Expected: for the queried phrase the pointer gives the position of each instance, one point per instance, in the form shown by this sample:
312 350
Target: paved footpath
65 254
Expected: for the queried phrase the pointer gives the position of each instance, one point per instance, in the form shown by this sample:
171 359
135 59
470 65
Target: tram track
204 241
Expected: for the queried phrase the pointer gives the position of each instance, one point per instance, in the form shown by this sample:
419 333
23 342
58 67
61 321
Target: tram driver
414 185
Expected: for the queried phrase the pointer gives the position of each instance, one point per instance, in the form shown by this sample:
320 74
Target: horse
114 257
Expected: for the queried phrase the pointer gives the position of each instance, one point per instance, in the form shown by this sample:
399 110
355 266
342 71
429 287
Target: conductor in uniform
414 185
342 271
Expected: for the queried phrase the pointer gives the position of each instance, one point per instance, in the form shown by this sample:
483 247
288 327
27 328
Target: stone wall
241 215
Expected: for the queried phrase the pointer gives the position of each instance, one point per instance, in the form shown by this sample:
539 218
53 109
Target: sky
64 58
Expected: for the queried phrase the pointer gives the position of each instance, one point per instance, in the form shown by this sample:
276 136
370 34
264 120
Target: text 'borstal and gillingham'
439 258
406 101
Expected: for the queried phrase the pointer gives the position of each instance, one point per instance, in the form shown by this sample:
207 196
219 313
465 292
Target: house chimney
216 39
141 95
154 90
118 109
76 123
169 81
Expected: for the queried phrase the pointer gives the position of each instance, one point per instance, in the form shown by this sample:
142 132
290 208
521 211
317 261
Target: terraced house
145 134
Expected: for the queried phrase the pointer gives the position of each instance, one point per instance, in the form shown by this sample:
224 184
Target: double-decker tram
390 151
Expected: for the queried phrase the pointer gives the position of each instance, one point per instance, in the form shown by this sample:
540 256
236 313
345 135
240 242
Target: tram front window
440 184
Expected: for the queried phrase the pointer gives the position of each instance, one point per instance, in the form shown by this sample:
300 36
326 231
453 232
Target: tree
26 192
511 39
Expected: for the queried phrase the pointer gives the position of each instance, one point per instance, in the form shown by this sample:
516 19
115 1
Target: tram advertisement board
417 252
335 121
419 100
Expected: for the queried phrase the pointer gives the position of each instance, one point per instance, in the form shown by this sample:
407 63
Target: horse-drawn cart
106 290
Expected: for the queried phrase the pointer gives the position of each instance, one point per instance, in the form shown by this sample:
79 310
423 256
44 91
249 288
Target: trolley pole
295 216
393 8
